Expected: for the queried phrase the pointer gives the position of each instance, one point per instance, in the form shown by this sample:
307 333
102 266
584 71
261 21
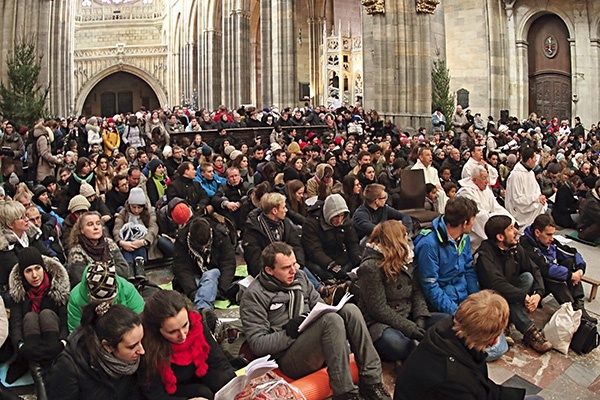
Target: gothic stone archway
128 78
121 92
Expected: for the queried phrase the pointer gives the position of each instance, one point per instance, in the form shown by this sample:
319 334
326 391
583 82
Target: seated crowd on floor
87 203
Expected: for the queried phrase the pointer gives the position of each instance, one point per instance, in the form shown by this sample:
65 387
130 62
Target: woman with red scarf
182 359
39 290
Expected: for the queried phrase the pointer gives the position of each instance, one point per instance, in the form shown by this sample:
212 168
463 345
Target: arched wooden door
549 68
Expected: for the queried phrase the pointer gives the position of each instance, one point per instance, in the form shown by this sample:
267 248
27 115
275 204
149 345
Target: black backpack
586 338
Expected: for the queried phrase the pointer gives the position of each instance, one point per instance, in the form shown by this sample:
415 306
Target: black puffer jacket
190 191
324 243
56 298
73 378
442 367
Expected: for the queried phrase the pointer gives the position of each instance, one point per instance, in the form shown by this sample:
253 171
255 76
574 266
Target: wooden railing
246 134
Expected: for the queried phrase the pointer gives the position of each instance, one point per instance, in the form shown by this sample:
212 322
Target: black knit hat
29 256
50 179
101 280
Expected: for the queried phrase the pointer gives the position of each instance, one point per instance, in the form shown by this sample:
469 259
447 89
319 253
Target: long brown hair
391 240
160 306
292 187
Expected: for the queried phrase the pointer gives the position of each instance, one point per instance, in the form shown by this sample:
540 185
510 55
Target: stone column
209 94
279 79
397 63
315 41
237 63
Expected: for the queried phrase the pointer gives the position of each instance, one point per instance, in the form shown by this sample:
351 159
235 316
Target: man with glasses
375 210
173 162
46 234
117 196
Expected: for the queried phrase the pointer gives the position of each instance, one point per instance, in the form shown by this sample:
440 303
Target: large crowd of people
314 208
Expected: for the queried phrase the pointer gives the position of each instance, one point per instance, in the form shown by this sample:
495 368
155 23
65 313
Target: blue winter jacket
550 259
210 187
444 267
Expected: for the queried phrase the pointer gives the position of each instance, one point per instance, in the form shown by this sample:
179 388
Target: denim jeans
207 289
130 256
496 351
166 247
393 345
518 312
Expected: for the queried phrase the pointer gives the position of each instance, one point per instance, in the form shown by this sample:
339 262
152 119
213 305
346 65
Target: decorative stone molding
427 6
374 6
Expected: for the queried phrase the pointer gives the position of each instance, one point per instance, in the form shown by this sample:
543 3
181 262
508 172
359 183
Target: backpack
586 338
33 155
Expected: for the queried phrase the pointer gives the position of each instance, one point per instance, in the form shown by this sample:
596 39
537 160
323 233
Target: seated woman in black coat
39 291
391 297
101 358
182 360
566 205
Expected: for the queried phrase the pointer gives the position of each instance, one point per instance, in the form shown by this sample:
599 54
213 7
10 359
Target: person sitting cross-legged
274 306
503 266
561 266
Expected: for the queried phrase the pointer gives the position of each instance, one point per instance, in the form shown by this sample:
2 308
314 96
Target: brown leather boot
536 340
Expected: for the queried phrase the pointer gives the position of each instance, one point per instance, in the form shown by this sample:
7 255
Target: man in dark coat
231 199
186 188
330 241
204 261
449 363
266 225
503 266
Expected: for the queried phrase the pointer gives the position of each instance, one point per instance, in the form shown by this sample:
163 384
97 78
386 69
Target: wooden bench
594 284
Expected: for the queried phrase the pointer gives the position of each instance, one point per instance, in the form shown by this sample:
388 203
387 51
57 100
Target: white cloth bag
561 327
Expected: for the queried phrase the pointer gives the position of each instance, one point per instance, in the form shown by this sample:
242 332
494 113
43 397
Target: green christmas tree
440 91
23 99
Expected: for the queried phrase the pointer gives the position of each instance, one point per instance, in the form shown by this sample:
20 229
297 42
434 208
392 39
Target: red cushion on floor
315 386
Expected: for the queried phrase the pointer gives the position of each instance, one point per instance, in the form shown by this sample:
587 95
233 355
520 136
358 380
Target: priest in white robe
431 175
477 189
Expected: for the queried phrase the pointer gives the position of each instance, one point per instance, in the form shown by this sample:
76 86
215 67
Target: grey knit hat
334 205
86 190
137 197
79 203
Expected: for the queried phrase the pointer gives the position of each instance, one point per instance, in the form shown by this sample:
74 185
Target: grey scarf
294 290
114 367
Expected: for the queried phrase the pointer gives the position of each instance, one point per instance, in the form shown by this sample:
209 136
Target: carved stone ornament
427 6
374 6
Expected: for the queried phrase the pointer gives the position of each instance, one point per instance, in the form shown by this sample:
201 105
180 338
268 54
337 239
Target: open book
322 308
256 368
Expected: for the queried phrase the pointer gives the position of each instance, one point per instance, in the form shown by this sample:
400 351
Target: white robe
431 176
487 206
522 196
467 171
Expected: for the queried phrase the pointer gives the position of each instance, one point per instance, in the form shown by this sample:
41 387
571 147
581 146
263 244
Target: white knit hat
137 197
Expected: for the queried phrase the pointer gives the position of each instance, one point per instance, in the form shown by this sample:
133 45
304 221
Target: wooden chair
412 197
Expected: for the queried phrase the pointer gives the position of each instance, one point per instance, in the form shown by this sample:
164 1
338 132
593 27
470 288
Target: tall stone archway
549 60
138 81
121 92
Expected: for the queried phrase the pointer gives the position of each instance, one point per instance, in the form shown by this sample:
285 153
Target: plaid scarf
36 294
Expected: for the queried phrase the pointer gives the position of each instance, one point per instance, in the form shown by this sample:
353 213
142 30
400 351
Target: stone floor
553 375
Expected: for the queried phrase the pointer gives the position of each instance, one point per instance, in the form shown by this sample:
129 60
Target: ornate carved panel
551 95
374 6
427 6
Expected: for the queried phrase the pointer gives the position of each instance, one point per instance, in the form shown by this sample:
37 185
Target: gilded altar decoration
374 6
427 6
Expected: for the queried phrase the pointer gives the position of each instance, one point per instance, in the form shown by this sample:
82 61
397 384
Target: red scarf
36 294
195 350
